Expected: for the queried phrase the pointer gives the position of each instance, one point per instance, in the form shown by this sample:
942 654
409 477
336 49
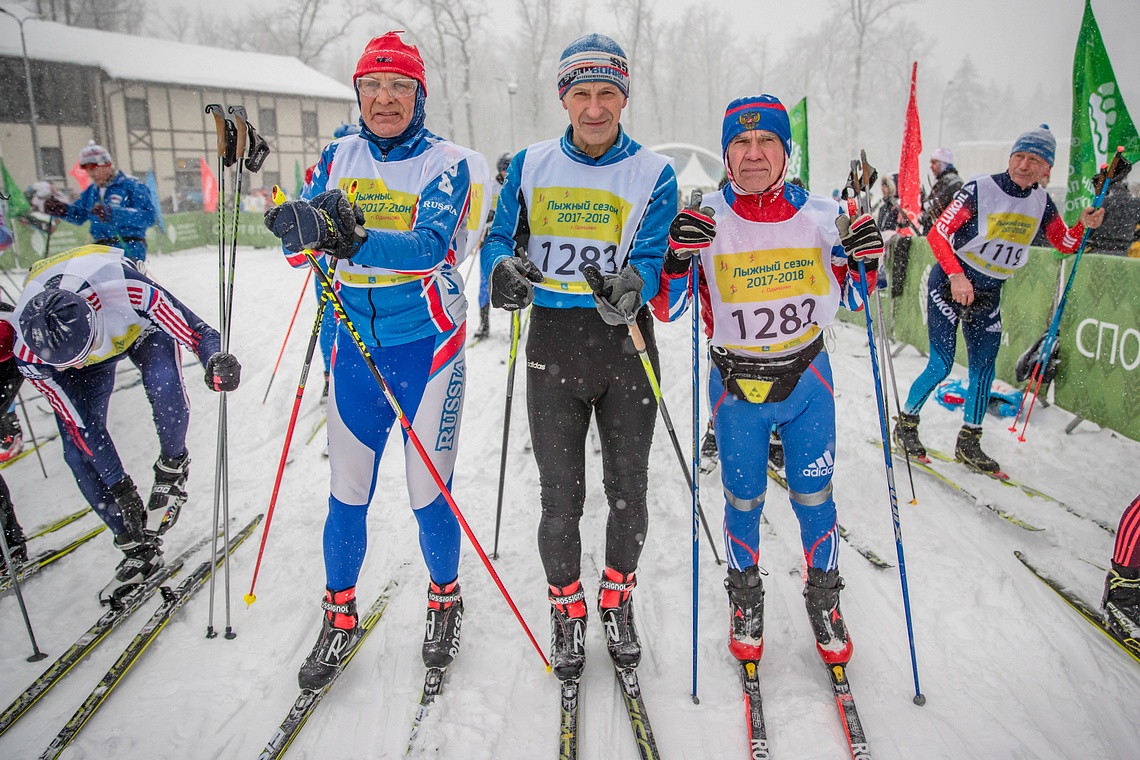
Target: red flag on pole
80 177
910 197
210 187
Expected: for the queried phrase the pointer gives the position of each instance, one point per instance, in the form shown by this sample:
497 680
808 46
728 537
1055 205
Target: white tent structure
697 167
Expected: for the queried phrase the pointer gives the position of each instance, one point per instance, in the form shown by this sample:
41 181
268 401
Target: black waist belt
113 241
763 380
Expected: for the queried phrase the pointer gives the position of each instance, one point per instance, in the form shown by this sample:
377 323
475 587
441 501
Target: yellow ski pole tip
549 668
250 599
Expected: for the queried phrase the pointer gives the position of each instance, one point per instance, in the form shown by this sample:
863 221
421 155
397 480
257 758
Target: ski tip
250 599
919 699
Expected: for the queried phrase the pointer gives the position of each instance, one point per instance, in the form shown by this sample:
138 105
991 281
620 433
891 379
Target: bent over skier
395 257
593 197
773 271
80 313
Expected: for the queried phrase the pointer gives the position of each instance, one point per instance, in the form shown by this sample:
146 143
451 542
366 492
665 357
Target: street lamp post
512 88
31 94
942 110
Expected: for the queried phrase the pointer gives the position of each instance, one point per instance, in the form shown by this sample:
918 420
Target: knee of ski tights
744 505
815 499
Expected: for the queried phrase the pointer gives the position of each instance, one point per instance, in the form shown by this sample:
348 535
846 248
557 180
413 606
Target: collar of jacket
620 150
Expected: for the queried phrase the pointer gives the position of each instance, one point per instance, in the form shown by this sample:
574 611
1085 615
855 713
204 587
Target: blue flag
152 185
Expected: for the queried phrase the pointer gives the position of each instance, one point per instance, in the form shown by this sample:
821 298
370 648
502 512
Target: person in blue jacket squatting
592 198
775 264
82 311
394 253
118 206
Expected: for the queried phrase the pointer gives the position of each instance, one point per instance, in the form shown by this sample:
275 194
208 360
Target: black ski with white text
308 700
40 560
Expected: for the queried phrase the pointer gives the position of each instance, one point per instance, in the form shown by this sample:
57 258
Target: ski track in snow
1008 669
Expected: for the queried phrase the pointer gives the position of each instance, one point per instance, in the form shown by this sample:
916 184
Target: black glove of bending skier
223 372
132 508
617 296
349 220
300 226
691 230
861 240
55 207
511 287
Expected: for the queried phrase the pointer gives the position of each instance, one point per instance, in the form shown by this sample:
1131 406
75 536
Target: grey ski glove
617 296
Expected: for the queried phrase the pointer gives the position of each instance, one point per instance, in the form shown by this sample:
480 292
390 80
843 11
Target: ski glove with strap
617 296
300 226
349 221
861 240
101 211
511 283
223 372
691 230
55 207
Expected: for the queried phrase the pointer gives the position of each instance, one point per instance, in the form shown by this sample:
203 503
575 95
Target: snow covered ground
1009 670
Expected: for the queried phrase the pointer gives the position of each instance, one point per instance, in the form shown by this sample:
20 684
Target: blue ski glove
348 218
300 226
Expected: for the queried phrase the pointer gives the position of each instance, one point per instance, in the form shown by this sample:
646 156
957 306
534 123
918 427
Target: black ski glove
511 287
300 226
617 296
691 230
861 240
223 372
55 207
349 220
132 508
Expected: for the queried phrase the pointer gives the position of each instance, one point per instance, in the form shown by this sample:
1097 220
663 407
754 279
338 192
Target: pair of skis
632 698
844 700
172 601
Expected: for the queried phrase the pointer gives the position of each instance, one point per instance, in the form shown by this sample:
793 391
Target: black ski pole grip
242 126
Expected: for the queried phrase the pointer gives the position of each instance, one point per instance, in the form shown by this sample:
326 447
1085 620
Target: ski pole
594 278
288 332
406 424
37 655
1047 346
250 598
32 434
511 364
890 362
919 698
695 516
227 150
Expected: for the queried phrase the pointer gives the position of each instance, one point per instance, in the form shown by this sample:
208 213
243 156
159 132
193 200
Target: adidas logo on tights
822 466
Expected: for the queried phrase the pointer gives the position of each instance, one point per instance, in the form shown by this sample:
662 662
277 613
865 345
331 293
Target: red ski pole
308 276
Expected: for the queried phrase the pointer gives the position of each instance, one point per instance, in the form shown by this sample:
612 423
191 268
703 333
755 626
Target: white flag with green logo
1100 119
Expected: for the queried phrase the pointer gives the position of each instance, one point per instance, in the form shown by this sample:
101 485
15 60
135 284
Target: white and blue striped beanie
593 58
1039 142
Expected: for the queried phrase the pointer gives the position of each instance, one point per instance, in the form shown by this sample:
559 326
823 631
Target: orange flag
910 197
80 177
209 187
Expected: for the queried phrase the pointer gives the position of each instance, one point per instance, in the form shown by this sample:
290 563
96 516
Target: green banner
798 164
17 204
1100 120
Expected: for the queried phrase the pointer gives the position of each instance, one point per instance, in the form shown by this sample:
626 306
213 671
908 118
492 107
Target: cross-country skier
980 241
774 268
947 183
395 253
80 313
593 197
1121 601
118 206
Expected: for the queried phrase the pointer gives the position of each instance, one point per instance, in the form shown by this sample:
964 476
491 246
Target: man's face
1025 169
387 102
595 110
756 159
100 174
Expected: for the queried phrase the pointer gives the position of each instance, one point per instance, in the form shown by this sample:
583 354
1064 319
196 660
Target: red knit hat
389 53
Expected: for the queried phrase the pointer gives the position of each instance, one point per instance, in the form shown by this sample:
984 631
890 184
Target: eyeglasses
89 167
397 88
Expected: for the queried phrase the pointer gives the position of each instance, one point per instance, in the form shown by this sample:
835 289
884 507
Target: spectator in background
1121 226
118 206
946 184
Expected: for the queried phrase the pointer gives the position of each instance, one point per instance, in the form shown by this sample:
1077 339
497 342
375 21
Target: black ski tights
577 364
